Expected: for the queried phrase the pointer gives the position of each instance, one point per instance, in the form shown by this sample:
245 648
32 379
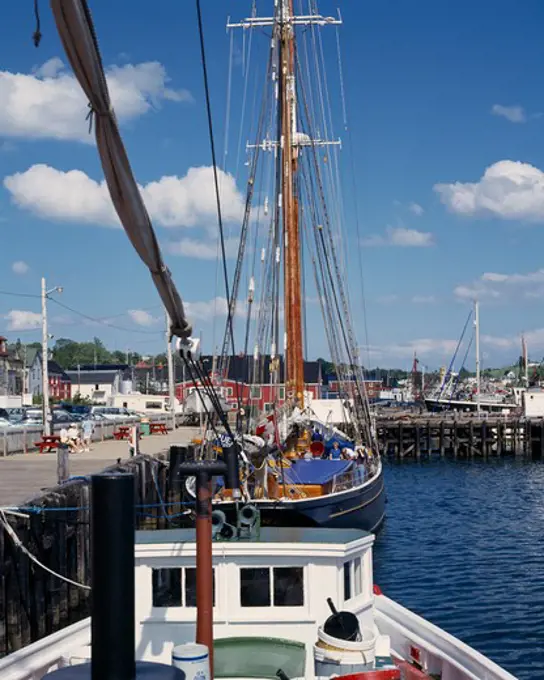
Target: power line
103 321
25 295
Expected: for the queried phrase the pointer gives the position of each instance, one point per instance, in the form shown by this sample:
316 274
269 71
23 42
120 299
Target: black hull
359 508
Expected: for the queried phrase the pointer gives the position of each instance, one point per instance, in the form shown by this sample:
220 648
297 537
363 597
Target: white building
101 384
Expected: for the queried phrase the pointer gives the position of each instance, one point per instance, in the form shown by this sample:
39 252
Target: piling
462 435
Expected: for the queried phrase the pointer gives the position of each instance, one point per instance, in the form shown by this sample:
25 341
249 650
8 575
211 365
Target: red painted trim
410 672
385 674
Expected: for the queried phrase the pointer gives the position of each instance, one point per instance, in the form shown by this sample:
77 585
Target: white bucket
365 644
193 659
329 662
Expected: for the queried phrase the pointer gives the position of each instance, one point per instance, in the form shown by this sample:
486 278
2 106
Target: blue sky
446 117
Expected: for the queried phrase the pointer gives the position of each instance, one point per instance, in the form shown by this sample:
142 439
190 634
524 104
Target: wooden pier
464 436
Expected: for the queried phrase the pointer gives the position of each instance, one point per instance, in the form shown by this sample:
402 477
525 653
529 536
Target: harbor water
463 546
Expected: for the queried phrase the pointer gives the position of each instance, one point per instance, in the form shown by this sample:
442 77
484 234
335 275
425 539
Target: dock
460 436
53 524
24 475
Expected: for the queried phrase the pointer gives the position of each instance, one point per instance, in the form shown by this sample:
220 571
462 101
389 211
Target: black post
112 569
112 596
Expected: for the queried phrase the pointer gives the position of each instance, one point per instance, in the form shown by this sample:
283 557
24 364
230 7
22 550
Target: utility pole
170 360
477 329
45 358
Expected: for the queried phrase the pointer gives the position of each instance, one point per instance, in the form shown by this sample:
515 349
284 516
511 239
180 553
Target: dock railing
23 439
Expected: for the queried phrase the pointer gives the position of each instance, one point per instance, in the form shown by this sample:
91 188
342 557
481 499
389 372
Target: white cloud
205 310
19 267
423 299
49 103
141 317
510 190
171 201
423 347
494 285
416 209
202 250
401 237
21 320
515 114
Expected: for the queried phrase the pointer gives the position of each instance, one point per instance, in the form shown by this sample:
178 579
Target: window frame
273 609
358 587
183 607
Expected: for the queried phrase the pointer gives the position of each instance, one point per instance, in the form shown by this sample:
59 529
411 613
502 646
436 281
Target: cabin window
272 587
176 587
353 578
347 581
255 392
282 393
153 405
357 576
190 587
166 587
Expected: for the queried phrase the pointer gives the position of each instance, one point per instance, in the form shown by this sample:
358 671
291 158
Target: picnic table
48 443
122 432
158 428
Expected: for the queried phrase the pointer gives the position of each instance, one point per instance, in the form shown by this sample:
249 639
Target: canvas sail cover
77 34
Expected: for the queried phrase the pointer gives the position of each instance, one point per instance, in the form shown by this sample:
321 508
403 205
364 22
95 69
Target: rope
454 355
18 543
216 181
37 35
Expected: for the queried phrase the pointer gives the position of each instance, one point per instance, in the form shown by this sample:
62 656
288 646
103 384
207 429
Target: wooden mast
294 364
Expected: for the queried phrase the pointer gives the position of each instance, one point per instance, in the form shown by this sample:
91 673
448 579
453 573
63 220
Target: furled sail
76 30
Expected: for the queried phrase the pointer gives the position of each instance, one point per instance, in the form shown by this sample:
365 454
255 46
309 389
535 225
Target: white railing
347 480
23 439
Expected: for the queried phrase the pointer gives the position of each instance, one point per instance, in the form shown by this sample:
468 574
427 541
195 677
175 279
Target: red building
260 395
60 385
372 387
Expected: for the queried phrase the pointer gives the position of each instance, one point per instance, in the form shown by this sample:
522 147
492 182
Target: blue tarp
317 471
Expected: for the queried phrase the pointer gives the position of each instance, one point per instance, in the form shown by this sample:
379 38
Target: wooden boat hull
362 507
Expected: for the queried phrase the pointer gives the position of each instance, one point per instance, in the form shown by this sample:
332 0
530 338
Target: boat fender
377 590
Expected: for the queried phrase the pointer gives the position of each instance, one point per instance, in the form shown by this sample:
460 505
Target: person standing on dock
88 430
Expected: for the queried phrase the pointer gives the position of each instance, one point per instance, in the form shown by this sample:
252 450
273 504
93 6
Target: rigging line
453 390
245 224
212 395
454 354
244 95
339 281
102 321
225 153
355 198
216 182
198 391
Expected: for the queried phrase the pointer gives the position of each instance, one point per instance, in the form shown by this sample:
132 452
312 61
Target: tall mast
294 363
477 327
283 24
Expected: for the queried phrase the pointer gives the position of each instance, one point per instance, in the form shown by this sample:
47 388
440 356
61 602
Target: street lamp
45 358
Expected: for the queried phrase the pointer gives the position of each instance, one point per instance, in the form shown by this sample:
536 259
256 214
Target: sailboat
298 469
448 394
273 591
